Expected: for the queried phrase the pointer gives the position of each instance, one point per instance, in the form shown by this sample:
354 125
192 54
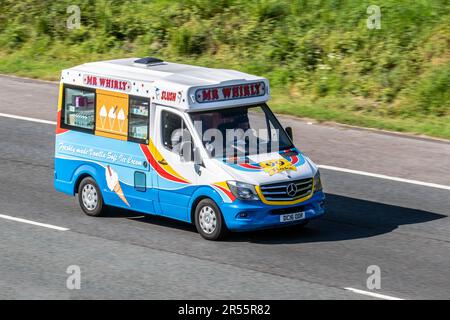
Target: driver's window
175 136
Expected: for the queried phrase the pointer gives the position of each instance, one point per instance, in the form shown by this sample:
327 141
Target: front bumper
254 215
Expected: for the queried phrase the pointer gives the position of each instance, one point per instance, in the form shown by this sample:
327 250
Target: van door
177 178
138 133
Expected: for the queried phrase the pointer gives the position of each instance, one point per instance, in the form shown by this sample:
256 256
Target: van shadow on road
346 219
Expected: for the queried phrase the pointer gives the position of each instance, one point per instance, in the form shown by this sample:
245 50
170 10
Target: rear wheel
209 220
90 197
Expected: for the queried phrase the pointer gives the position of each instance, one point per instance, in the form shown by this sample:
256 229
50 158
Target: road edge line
385 177
45 225
372 294
11 116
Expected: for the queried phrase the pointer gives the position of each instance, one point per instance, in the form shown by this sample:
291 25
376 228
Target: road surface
401 227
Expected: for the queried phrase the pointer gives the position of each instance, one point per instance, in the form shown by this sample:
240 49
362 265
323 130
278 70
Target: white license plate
292 216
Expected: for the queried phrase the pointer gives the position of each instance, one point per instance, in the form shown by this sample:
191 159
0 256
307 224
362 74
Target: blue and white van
194 144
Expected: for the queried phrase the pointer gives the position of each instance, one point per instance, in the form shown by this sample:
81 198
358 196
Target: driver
176 140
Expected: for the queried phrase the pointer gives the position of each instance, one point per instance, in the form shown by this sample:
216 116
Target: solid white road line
27 118
382 176
33 223
326 167
372 294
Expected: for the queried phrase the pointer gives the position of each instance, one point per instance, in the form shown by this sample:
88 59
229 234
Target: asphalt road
402 228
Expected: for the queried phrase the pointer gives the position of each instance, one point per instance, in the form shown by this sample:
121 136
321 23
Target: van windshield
240 131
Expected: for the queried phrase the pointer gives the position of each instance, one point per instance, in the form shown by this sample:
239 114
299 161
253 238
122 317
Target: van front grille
287 190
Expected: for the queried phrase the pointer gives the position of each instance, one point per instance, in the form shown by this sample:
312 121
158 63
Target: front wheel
209 220
90 197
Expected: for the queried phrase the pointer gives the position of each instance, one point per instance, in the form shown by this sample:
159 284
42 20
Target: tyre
90 197
209 220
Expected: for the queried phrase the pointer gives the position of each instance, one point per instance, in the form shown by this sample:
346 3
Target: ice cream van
190 143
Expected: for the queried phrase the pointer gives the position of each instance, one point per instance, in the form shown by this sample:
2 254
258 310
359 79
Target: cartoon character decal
272 167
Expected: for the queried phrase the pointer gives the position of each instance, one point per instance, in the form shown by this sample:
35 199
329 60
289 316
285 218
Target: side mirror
289 133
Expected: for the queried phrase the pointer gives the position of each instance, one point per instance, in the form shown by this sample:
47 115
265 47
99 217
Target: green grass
322 61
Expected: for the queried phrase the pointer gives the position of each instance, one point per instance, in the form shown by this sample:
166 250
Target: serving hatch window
138 119
79 108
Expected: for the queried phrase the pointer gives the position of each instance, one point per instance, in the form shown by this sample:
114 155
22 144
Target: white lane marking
26 118
326 167
33 223
382 176
373 294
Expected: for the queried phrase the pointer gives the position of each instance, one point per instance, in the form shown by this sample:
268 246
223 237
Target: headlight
317 182
243 191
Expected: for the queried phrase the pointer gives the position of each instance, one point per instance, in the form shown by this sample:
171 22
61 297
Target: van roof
148 76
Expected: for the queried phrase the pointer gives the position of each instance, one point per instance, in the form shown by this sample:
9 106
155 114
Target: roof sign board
233 92
106 83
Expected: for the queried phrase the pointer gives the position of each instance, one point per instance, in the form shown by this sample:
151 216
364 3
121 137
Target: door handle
163 162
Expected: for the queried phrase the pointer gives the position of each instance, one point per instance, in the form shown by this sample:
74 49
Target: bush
187 41
432 94
14 36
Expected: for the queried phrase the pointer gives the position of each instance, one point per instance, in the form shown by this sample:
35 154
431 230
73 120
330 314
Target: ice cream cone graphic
121 119
119 192
103 115
112 179
112 117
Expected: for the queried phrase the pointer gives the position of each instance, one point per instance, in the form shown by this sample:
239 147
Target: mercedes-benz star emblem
291 190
